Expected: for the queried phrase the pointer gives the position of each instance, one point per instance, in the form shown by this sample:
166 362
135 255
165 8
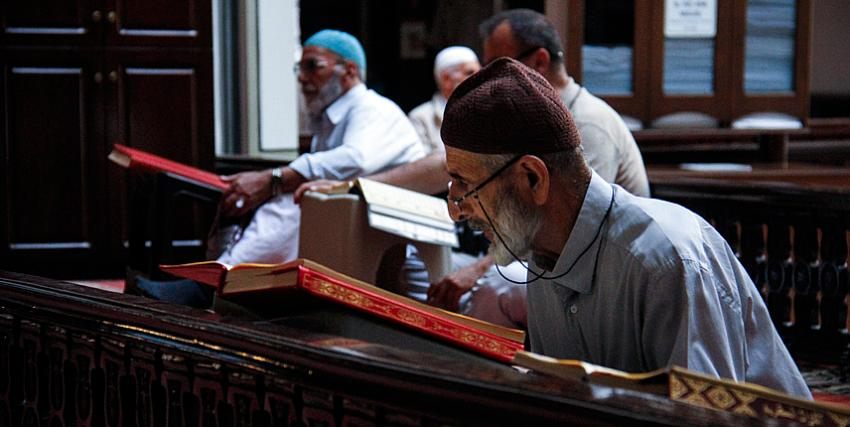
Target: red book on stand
271 281
137 159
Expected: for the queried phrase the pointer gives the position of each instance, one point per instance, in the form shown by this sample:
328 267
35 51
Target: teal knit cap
341 43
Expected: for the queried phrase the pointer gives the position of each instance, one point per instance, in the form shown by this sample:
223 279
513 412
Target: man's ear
352 73
541 61
536 177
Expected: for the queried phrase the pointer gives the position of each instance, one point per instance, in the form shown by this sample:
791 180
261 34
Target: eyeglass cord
570 268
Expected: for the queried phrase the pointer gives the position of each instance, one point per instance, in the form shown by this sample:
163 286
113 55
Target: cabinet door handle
96 16
113 76
98 77
111 17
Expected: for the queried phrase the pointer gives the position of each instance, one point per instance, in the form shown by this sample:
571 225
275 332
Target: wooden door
52 213
184 23
161 102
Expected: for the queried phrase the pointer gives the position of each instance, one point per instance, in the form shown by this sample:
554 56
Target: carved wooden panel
160 23
76 22
52 199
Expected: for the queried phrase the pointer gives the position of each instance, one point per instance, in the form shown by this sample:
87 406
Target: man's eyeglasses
311 65
474 192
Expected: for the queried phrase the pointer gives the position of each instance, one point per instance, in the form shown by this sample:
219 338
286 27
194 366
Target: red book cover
133 159
485 338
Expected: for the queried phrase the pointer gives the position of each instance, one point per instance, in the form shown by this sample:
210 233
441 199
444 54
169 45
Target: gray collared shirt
667 290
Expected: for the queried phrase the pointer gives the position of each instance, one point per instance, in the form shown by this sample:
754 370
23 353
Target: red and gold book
133 159
491 340
695 388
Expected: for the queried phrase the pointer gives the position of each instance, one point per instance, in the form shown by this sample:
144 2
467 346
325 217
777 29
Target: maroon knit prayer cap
508 108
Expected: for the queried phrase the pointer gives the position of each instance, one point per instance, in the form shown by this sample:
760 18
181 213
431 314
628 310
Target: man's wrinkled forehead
462 164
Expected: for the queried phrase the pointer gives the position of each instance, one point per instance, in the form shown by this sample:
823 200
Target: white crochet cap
451 56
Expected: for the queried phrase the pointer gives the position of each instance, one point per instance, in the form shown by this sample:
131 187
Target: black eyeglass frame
458 200
312 65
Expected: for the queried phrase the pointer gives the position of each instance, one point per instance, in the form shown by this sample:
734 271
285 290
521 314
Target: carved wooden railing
72 356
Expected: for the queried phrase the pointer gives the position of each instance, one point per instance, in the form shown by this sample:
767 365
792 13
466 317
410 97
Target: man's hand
447 292
322 186
247 191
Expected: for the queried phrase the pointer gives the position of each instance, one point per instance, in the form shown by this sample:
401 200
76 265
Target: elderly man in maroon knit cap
626 282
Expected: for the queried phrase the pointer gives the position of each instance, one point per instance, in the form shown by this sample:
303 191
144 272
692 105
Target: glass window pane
769 49
607 63
689 66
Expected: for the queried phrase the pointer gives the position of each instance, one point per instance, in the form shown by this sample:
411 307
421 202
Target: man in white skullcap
451 66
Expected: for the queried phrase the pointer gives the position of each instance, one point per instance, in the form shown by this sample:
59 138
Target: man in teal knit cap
356 132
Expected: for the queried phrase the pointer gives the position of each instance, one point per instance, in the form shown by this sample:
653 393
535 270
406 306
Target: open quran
266 283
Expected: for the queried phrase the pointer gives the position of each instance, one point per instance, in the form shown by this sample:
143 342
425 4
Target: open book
416 216
279 280
694 388
132 158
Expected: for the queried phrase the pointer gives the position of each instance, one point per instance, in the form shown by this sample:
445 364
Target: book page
400 199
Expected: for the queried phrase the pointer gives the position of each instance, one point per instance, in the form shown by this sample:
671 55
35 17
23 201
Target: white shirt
668 290
361 133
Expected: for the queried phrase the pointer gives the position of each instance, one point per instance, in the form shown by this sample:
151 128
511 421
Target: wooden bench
822 141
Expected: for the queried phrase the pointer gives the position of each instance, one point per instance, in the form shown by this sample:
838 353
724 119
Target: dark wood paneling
51 21
160 23
78 76
162 103
53 184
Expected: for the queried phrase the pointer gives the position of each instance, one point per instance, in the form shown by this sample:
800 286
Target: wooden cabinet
76 77
621 51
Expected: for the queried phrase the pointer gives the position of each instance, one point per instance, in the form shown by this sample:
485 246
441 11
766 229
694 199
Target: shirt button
573 309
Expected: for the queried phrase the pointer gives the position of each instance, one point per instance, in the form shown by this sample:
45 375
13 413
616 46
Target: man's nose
456 212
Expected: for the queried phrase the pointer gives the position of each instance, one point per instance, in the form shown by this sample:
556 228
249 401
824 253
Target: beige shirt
609 147
427 119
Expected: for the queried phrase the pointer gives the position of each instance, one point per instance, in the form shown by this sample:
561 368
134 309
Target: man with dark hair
610 148
627 282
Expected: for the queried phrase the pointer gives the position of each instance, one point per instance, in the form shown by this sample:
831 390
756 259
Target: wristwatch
277 181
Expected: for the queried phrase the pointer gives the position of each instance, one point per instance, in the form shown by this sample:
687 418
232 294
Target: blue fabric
341 43
184 292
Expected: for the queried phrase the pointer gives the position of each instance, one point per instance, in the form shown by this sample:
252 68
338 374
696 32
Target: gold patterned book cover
491 340
697 389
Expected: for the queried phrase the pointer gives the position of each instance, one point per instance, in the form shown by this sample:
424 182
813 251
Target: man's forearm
426 175
291 180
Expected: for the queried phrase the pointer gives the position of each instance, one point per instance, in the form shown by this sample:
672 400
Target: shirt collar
339 108
590 217
570 92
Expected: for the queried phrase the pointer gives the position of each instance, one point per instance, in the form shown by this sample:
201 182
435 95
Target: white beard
517 223
327 95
